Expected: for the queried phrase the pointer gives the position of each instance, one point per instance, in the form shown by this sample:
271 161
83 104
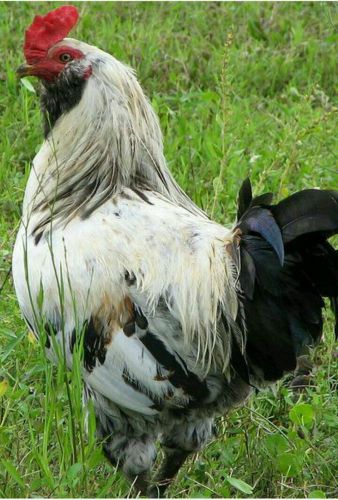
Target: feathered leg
180 440
134 456
133 453
141 484
302 375
173 461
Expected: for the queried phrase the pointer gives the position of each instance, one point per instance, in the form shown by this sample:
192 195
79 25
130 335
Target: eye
65 57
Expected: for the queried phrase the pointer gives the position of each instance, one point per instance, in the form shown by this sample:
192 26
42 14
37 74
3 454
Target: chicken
180 318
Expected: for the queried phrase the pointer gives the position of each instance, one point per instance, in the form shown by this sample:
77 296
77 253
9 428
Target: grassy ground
240 89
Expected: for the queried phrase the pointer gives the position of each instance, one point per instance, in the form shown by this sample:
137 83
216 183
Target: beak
25 70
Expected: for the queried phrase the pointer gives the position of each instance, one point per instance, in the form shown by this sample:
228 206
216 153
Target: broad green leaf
302 414
276 444
74 470
289 464
240 485
317 494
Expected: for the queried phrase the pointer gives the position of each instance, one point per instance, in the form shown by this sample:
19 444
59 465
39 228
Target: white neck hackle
110 140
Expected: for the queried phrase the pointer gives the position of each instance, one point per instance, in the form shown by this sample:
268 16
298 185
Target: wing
161 349
138 370
154 287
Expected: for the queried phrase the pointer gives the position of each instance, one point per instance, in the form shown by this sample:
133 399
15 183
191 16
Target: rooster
180 318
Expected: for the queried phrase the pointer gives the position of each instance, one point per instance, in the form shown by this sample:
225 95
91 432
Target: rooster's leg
186 436
141 484
174 459
135 456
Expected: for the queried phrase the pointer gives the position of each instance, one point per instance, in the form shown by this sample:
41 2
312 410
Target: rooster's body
179 316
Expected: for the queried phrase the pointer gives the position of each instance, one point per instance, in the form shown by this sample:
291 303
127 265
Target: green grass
240 89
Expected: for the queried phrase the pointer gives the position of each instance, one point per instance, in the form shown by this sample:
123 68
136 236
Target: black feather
94 348
321 263
261 221
287 266
248 273
62 95
262 200
308 211
246 201
244 198
179 375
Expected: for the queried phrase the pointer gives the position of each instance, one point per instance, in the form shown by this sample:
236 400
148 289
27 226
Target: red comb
45 31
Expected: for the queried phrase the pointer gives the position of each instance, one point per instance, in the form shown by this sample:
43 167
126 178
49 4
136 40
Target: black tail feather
287 266
244 198
307 212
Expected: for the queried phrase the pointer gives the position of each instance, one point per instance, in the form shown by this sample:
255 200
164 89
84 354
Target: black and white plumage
181 316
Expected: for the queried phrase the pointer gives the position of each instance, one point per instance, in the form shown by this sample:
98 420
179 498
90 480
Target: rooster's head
48 53
106 136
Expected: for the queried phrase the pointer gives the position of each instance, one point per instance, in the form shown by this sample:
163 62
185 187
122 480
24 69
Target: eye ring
65 57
